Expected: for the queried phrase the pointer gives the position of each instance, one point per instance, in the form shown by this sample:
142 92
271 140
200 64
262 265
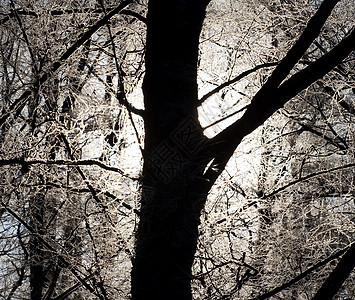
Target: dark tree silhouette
177 175
76 223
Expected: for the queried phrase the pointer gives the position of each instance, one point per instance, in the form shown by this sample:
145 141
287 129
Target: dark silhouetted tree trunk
176 154
37 253
167 234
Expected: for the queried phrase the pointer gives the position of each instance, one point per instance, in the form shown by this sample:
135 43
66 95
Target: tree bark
168 229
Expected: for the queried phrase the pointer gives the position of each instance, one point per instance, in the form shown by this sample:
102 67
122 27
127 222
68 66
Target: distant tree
62 127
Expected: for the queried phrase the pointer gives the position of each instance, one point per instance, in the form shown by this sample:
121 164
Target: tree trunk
175 183
170 208
37 253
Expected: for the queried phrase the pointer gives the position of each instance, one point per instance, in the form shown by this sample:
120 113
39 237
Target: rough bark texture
168 229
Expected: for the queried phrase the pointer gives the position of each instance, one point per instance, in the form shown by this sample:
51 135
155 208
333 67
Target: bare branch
301 276
316 70
304 41
59 12
337 277
20 102
236 79
22 12
308 177
226 117
86 162
265 103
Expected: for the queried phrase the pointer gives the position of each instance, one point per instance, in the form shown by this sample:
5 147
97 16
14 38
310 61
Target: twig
85 162
305 178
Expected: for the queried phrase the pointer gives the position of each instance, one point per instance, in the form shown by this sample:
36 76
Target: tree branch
226 117
310 33
265 103
301 276
307 177
322 135
56 12
236 79
20 271
85 162
316 70
20 102
337 277
59 12
122 99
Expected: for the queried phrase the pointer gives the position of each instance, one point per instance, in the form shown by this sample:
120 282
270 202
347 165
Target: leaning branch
310 33
315 71
85 36
337 277
301 276
266 102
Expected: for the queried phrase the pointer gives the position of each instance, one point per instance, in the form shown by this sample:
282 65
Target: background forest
277 220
